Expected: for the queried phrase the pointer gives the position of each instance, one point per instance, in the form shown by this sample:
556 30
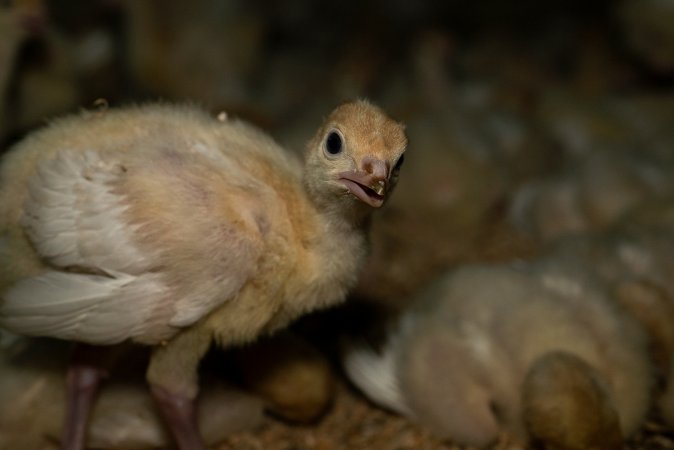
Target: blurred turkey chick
537 354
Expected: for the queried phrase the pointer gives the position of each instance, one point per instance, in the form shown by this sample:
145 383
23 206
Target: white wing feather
375 374
81 307
74 218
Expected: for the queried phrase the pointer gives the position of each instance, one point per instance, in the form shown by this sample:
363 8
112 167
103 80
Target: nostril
375 167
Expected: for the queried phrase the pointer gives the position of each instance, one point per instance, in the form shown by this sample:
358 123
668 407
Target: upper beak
370 184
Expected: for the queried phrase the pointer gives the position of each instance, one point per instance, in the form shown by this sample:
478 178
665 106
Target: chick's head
355 157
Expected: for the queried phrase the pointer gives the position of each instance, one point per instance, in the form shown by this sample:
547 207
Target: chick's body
123 189
162 225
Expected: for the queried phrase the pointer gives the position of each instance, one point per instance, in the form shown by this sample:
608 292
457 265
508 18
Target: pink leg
83 378
179 412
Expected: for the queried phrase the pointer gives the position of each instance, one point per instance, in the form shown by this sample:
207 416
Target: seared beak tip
379 187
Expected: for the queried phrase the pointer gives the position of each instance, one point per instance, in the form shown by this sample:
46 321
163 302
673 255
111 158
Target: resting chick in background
164 226
539 355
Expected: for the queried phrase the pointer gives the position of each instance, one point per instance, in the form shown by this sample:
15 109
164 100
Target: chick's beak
379 187
370 183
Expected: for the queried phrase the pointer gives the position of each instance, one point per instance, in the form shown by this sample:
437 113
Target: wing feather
375 374
97 309
74 217
102 290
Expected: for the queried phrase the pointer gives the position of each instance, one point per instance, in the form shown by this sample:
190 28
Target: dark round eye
333 143
400 162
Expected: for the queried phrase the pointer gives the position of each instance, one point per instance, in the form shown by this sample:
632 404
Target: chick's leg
84 375
173 378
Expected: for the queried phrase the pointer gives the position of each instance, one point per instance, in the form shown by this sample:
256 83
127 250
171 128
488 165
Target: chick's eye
400 162
333 143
